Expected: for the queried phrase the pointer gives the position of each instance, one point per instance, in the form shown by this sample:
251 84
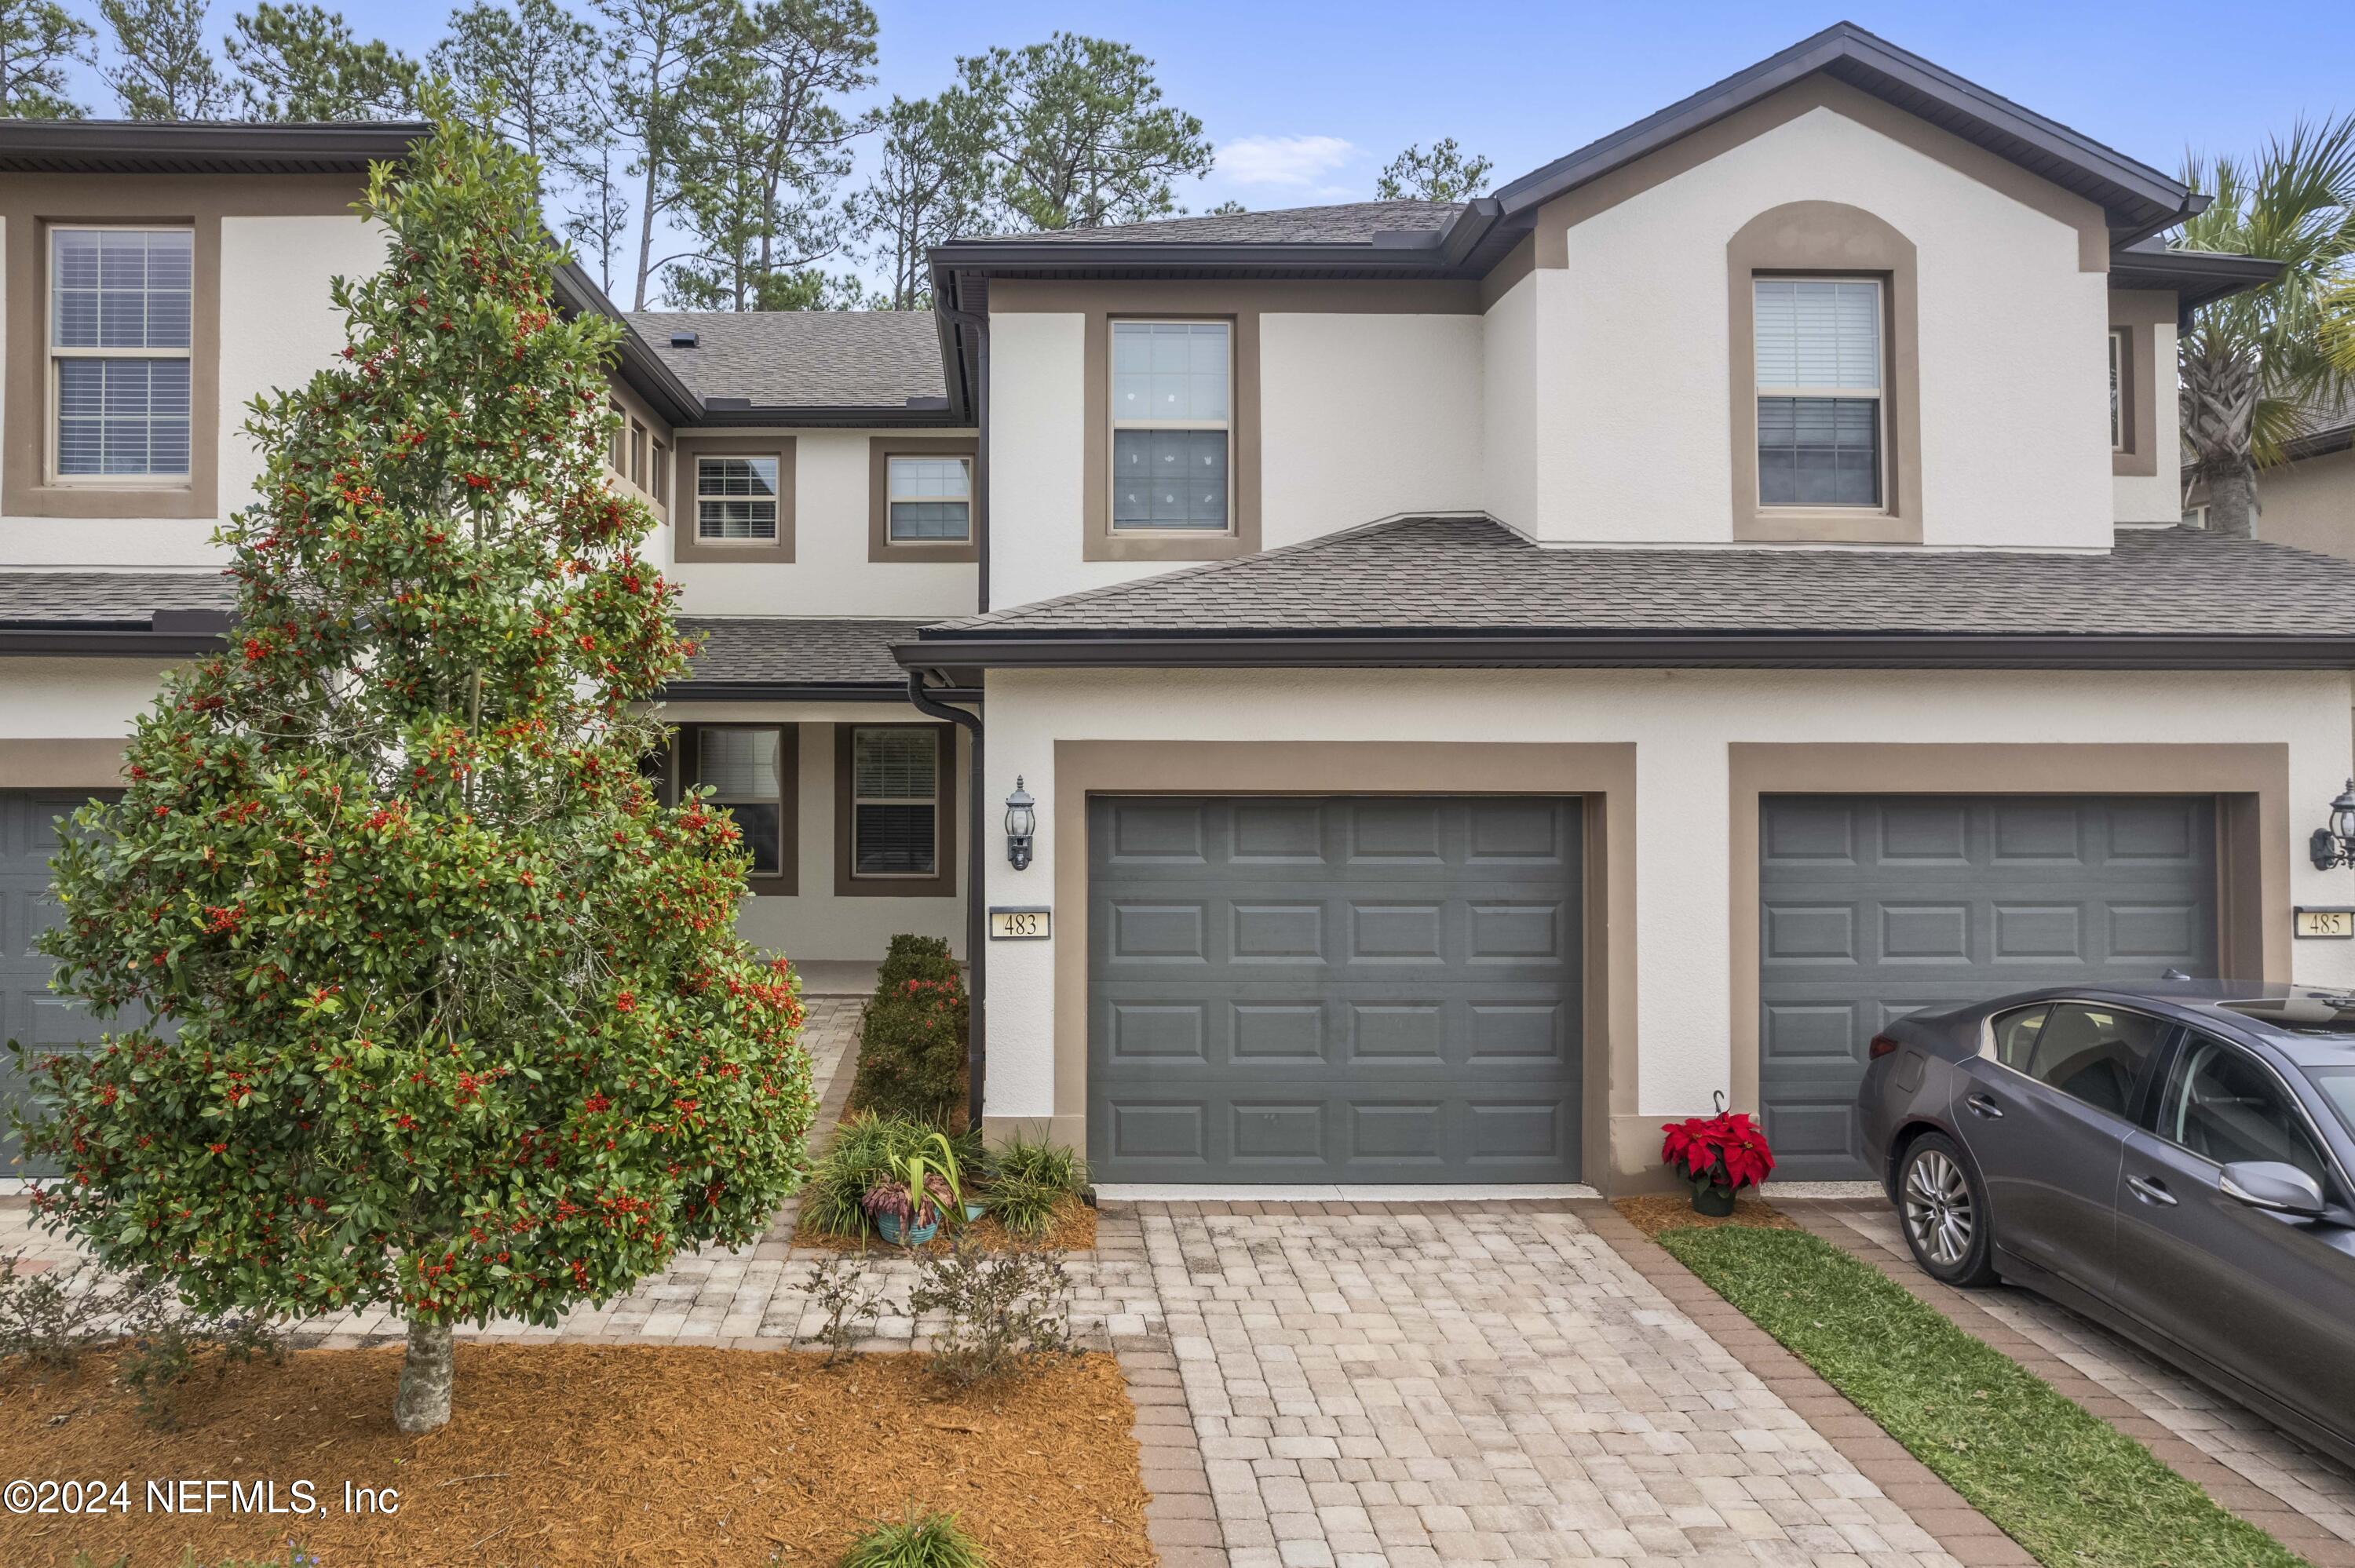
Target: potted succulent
1720 1155
909 1206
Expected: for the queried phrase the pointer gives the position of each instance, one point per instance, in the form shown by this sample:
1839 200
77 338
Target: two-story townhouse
1490 676
1495 676
812 478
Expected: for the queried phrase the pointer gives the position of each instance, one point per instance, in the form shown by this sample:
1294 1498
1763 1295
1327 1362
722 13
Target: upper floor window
736 498
1820 391
1172 385
931 500
2118 389
616 454
120 327
637 454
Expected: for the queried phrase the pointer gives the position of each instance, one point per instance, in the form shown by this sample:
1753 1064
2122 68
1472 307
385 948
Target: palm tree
2256 365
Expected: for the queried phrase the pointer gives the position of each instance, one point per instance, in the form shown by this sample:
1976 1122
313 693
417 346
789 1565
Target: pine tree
38 38
301 62
163 66
450 1012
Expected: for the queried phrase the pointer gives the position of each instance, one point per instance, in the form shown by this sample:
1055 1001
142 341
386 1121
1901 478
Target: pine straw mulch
1657 1212
596 1456
1074 1230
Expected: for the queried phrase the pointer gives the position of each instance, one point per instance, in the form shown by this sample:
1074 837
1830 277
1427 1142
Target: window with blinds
121 320
1820 405
736 498
1172 386
895 803
931 500
741 767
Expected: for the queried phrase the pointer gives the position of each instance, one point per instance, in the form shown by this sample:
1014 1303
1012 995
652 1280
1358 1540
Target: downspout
976 914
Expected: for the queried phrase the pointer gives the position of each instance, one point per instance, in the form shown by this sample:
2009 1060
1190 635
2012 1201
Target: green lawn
2061 1481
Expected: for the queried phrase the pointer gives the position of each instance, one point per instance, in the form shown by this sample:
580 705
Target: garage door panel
1402 1005
1949 901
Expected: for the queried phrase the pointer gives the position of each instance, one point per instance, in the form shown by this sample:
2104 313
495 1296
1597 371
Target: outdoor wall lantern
1022 821
2334 845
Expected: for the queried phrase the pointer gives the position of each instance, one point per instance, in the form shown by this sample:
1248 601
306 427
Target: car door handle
1984 1106
2151 1190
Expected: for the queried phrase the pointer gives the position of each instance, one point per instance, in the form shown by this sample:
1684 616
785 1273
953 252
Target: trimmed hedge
912 1043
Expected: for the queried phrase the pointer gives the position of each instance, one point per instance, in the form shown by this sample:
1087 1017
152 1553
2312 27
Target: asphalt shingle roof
801 359
794 652
1470 575
1355 223
108 598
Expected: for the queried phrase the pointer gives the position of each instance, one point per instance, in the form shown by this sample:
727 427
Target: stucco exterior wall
1636 445
2155 497
1680 724
53 699
830 574
1364 417
1510 372
2310 504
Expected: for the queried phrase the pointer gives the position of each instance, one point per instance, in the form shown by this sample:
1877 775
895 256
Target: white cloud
1282 160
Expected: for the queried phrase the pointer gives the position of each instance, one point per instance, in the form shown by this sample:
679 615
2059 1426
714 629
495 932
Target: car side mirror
2270 1184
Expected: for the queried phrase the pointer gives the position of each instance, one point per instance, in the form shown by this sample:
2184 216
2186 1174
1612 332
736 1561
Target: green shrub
1009 1313
1041 1163
1025 1208
865 1152
911 1042
910 957
932 1540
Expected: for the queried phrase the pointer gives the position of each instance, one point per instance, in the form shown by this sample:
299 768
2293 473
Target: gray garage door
29 1013
1292 990
1875 906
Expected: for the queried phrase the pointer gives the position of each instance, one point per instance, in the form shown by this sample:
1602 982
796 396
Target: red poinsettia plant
1725 1151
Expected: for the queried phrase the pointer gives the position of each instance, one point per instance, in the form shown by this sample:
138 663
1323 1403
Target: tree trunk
426 1376
2233 503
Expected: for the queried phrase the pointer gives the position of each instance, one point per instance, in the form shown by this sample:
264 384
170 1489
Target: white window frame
1883 434
616 438
776 501
1111 441
891 461
932 800
2118 389
56 354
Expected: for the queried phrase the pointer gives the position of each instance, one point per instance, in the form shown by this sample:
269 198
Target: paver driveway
1422 1386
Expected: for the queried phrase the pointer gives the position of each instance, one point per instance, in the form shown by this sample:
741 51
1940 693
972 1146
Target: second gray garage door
1316 990
1875 906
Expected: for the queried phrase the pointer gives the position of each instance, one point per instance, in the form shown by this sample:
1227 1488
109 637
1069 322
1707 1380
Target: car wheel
1942 1208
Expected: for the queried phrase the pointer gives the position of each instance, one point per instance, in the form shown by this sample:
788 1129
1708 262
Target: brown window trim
686 754
30 489
881 450
1103 542
2136 312
943 885
1829 237
684 452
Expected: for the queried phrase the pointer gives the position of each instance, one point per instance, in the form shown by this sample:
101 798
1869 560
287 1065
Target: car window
2222 1106
2016 1034
2094 1053
2338 1086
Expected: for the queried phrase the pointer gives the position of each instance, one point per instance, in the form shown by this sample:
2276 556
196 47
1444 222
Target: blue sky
1307 101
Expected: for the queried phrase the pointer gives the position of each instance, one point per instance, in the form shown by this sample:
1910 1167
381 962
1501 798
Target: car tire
1942 1208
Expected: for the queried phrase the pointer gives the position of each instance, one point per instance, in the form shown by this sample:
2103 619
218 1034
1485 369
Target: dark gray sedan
2171 1160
